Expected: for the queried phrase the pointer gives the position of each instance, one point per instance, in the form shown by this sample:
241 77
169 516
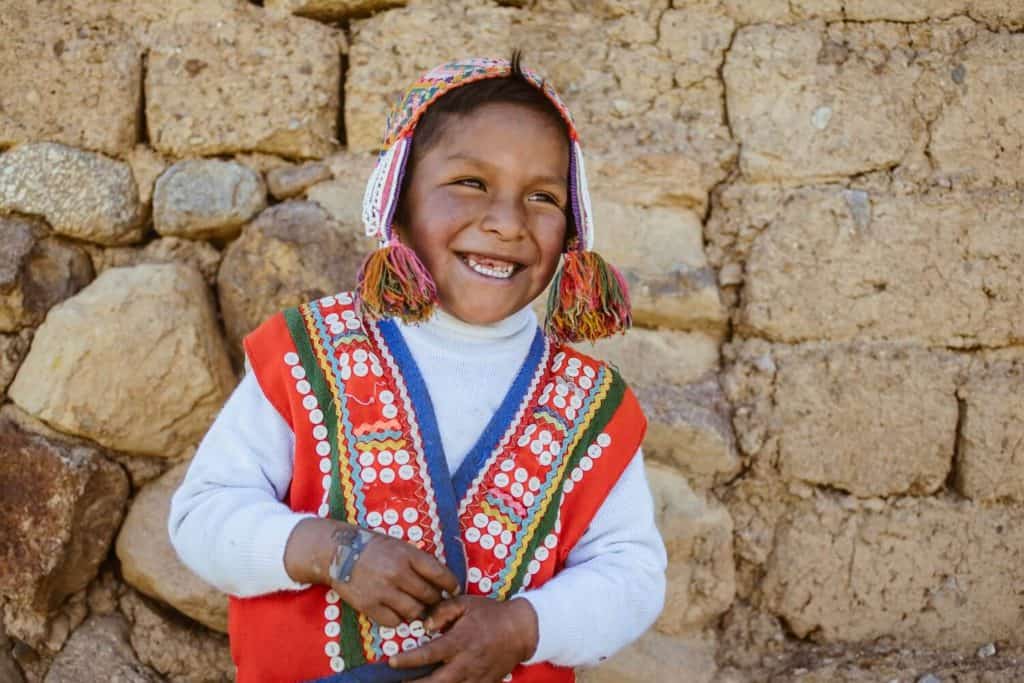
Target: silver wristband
349 545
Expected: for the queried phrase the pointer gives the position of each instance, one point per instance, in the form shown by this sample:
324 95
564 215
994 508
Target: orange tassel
393 282
589 300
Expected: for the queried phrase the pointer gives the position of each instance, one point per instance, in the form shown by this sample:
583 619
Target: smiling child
414 480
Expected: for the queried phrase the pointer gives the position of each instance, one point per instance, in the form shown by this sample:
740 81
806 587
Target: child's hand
487 639
392 581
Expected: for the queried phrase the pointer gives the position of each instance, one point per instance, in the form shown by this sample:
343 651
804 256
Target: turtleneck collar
446 331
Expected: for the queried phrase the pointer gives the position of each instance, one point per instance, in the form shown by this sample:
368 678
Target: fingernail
429 624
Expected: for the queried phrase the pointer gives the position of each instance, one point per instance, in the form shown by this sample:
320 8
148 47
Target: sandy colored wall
817 203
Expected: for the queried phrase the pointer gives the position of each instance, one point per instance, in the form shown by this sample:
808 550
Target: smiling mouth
490 267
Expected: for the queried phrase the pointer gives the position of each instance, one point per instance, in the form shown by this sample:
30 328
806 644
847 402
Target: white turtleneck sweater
229 526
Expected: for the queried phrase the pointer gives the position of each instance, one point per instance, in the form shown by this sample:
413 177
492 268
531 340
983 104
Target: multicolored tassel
589 300
393 282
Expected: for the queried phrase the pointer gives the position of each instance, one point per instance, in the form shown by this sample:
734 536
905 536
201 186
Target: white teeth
502 272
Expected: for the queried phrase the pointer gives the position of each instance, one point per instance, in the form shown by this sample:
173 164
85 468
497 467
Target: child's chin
481 315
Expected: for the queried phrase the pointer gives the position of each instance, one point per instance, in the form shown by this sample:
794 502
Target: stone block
331 10
697 532
828 116
929 572
288 181
37 271
13 349
660 251
60 508
978 138
146 341
80 194
150 564
658 657
246 83
202 256
871 420
342 196
182 651
835 263
991 445
100 651
674 376
292 253
67 79
207 199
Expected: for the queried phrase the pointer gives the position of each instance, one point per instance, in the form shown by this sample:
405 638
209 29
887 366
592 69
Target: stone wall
818 205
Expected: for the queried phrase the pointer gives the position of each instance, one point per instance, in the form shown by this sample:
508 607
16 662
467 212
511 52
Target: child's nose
506 218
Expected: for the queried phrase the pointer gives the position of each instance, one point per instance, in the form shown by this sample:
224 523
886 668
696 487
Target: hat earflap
392 282
589 298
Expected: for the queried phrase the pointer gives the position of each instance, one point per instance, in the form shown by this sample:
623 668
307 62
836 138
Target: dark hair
512 89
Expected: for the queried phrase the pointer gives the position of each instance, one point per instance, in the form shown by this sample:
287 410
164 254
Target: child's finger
418 588
436 573
384 616
434 652
444 615
406 606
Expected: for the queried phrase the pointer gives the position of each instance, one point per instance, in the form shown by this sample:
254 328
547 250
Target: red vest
368 451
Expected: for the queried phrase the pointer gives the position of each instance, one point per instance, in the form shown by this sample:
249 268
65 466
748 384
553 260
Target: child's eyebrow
546 179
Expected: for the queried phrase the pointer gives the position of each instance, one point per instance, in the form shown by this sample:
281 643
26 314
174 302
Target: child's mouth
490 267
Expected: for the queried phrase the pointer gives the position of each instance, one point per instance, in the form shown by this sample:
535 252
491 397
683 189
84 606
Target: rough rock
147 166
825 120
13 348
292 253
9 669
150 564
207 199
80 194
82 352
978 138
657 657
342 196
140 468
246 83
182 651
67 80
674 376
927 572
871 420
60 508
660 251
99 651
992 433
836 263
995 13
36 271
202 256
331 10
289 181
697 532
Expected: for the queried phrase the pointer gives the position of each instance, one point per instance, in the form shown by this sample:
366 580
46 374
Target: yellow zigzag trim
552 490
497 514
390 444
346 480
551 420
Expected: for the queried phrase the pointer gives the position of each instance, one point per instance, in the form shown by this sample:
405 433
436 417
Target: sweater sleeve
617 568
227 522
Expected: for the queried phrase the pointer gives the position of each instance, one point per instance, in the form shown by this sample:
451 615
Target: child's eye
471 182
544 197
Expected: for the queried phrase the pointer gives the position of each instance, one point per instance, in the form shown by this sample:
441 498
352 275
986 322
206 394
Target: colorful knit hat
588 297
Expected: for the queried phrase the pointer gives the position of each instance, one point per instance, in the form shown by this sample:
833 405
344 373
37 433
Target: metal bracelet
351 541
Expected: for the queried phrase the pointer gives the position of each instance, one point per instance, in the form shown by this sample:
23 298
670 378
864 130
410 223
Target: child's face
485 210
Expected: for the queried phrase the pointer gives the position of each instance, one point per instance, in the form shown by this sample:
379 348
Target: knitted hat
588 298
